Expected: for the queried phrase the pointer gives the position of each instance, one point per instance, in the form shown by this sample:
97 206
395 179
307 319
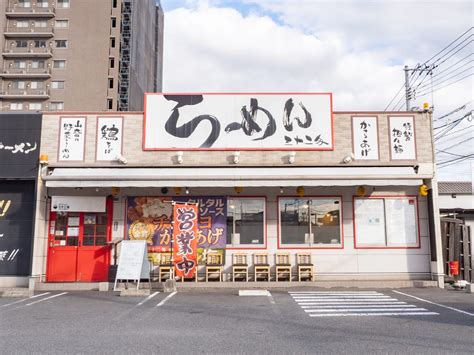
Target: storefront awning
228 177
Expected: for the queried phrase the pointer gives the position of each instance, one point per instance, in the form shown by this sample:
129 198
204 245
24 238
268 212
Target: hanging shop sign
17 206
109 138
149 218
72 133
78 204
20 138
238 121
402 138
365 138
185 227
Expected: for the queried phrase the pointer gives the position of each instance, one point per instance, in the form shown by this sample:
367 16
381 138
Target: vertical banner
402 138
365 138
185 226
72 133
109 138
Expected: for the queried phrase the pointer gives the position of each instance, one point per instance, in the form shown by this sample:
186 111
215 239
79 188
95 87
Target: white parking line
147 299
45 299
345 303
362 306
436 304
362 310
375 314
166 299
26 299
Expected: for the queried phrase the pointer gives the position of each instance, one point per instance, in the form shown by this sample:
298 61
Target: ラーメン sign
238 121
185 220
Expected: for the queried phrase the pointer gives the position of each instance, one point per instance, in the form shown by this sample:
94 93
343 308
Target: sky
355 49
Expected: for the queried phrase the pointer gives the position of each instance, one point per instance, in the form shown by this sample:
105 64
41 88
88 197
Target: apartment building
94 55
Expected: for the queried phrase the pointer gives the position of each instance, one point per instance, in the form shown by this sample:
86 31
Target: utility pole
408 91
407 88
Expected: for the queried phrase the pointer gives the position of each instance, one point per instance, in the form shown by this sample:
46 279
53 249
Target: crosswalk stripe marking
375 314
346 300
345 297
325 292
361 306
364 310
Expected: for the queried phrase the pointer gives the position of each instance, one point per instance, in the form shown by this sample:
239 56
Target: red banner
185 226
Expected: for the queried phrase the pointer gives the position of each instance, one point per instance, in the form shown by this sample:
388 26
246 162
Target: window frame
21 41
265 224
314 245
19 104
58 81
61 40
66 21
63 2
55 103
383 197
35 103
60 60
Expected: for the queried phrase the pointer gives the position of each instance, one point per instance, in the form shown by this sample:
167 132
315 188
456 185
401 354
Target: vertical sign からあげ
365 138
185 219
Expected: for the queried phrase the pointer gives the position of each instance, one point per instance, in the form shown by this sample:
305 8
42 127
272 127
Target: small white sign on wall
109 138
78 203
365 138
72 133
402 138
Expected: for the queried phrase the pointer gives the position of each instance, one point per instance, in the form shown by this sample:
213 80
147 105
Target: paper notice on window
401 222
370 221
73 231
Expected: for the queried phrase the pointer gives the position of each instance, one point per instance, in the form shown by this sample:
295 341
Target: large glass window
310 221
245 221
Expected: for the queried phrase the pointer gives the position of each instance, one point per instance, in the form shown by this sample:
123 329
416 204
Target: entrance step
20 292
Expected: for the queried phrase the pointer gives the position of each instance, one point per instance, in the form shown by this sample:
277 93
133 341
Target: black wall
20 136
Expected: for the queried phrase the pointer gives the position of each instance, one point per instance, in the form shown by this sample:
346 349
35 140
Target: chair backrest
214 259
282 258
239 259
303 258
260 259
166 258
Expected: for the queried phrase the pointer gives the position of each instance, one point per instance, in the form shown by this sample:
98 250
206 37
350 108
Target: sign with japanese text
109 138
365 138
133 262
20 139
238 121
149 218
402 138
185 223
17 206
72 132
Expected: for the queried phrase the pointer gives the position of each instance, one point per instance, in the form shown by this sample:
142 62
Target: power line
452 65
442 87
454 111
437 82
449 45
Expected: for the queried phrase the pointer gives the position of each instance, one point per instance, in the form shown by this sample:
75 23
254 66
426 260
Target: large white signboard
238 121
365 138
109 138
402 138
72 132
133 261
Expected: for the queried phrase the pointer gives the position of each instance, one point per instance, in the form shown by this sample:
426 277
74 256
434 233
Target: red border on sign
294 247
418 246
238 148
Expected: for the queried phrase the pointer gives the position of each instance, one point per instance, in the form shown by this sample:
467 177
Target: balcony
34 11
29 32
14 73
26 94
32 52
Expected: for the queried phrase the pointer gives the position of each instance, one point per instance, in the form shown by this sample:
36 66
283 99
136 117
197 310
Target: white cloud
354 49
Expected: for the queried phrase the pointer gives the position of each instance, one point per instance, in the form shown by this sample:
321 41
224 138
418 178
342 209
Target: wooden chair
282 266
240 266
165 267
214 265
304 266
261 265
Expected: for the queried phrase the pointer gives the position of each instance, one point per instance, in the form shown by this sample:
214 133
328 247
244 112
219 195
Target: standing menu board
133 262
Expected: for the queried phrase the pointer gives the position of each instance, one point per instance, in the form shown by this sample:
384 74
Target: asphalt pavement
218 321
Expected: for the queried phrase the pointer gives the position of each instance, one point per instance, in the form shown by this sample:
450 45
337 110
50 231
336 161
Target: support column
437 267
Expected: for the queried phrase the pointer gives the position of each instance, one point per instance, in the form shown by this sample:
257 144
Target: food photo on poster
150 219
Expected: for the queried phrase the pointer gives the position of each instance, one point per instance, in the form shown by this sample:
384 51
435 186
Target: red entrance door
78 249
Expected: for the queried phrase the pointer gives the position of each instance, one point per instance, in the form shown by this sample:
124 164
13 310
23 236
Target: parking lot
219 321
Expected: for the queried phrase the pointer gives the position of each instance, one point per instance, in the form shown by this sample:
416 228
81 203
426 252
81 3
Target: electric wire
437 82
437 89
